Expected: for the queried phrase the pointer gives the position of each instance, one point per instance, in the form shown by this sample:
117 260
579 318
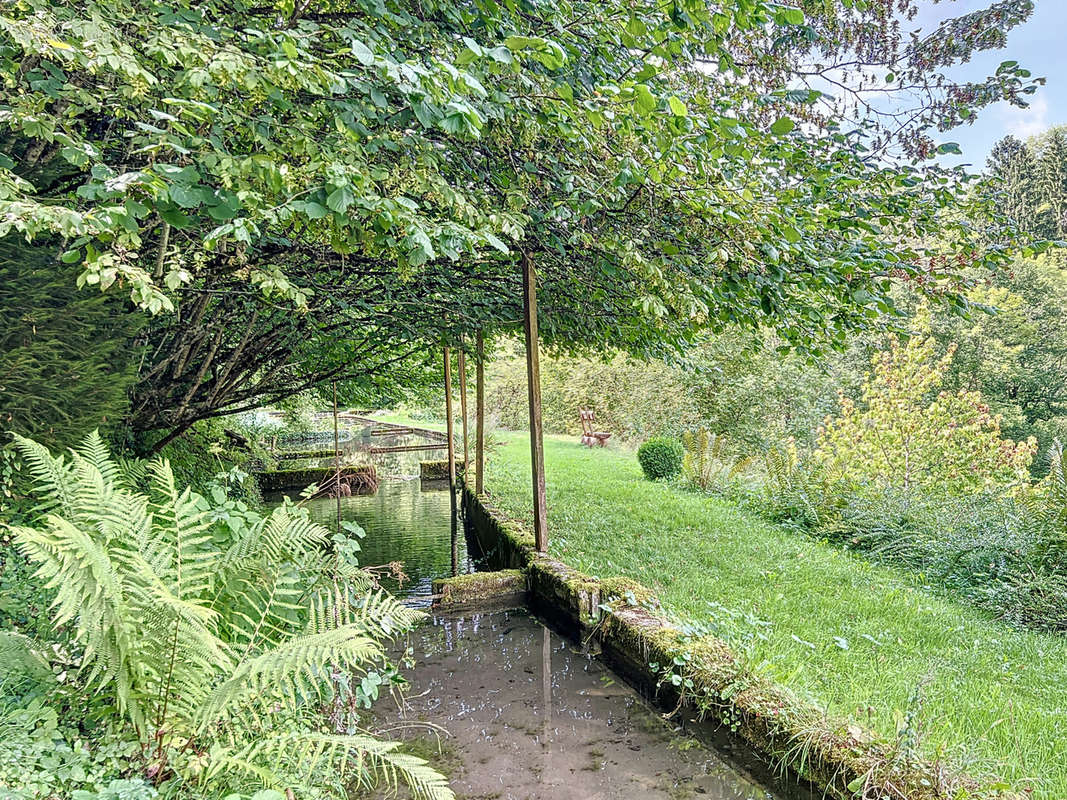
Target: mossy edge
622 616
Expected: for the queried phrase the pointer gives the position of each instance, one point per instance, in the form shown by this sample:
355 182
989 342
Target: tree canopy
302 191
1031 182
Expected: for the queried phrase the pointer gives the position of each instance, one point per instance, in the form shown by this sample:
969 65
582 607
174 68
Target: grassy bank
862 640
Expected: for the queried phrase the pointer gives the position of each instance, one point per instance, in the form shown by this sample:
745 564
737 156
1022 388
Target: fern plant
796 492
221 639
1053 511
708 462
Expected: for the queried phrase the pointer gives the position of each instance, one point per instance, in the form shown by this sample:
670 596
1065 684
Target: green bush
661 457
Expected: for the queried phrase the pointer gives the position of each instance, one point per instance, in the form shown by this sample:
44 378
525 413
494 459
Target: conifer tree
1051 182
1014 168
66 360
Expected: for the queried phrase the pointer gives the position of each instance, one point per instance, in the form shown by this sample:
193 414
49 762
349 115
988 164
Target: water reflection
405 520
528 715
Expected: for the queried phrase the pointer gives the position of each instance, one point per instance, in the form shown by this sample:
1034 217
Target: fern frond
379 615
292 672
94 451
265 606
98 503
182 532
51 474
369 760
89 591
284 536
203 643
133 471
23 666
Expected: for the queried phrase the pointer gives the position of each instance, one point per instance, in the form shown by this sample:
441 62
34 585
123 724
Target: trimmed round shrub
661 457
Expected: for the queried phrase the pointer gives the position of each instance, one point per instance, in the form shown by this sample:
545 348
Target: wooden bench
591 437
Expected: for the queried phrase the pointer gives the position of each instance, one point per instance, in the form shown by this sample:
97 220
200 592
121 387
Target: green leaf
364 55
340 199
782 126
949 147
175 217
185 196
789 16
644 98
677 107
497 243
310 209
221 212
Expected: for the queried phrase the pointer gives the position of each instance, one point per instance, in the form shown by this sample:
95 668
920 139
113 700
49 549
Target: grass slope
861 640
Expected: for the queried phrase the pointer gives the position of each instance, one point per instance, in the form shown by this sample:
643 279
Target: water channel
500 702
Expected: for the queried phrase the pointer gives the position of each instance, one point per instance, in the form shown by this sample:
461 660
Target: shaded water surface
524 714
406 520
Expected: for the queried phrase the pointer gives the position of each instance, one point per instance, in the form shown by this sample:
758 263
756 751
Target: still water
406 520
498 701
512 711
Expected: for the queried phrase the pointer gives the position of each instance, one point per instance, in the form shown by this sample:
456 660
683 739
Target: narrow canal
500 702
407 520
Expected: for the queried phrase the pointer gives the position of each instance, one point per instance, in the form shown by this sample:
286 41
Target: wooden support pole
533 385
449 426
462 356
336 459
455 543
479 440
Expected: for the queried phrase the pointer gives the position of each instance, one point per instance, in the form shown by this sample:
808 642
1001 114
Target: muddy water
512 711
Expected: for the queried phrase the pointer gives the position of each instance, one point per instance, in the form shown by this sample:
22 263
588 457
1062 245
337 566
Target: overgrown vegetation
404 158
210 207
212 644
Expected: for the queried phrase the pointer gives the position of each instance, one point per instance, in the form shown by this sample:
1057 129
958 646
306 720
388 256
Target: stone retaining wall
706 676
360 478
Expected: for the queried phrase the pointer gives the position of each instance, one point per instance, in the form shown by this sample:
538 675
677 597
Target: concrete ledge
706 676
504 544
496 590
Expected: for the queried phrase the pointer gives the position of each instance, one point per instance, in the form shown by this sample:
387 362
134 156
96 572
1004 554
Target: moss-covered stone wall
705 675
360 478
504 588
438 470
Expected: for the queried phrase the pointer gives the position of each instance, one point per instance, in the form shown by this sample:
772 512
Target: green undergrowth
861 640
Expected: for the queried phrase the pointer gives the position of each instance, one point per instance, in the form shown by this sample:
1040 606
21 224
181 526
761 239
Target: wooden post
336 459
449 426
533 385
463 409
455 543
479 440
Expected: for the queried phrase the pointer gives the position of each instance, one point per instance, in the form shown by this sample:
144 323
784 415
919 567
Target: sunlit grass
991 698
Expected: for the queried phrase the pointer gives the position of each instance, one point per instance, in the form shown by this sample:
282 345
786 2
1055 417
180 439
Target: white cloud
1026 122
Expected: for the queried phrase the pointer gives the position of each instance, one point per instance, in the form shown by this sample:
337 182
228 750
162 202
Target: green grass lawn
860 639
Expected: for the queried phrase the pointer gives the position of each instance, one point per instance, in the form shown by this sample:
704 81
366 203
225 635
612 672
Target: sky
1039 45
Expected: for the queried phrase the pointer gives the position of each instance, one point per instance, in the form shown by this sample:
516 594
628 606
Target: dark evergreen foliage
1032 178
67 355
